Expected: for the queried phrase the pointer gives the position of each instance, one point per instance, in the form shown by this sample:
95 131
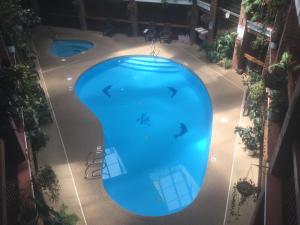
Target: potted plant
246 188
247 134
243 190
287 66
276 77
260 45
278 105
46 181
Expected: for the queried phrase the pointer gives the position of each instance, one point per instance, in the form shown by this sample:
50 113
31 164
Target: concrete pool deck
76 131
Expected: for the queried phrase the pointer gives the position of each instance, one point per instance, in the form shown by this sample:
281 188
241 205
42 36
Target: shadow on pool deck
81 132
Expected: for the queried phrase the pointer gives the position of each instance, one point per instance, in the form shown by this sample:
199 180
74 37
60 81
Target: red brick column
237 59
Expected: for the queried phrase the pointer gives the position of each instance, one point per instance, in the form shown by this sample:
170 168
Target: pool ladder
95 163
153 50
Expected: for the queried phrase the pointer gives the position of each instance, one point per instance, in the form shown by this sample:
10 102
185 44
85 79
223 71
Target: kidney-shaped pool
156 116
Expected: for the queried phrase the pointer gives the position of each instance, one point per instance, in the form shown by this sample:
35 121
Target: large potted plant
248 136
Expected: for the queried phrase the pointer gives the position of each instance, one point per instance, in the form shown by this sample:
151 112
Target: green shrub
227 63
257 91
278 105
221 48
67 218
224 44
38 139
261 10
276 77
248 136
47 182
213 56
260 42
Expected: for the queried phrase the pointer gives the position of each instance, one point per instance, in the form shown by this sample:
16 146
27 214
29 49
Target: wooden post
213 12
82 14
133 16
194 21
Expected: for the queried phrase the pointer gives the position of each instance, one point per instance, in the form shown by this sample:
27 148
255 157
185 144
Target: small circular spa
156 116
69 48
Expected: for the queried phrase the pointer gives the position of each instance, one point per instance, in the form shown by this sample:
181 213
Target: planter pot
246 188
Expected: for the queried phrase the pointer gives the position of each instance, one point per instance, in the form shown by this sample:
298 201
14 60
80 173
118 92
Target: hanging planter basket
246 188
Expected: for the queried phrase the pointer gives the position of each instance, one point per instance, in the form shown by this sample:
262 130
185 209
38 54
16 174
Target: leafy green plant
221 48
253 8
213 56
260 43
251 77
47 182
261 10
257 91
252 137
224 44
278 105
278 72
276 77
67 218
243 190
248 136
38 139
287 62
31 121
257 95
227 63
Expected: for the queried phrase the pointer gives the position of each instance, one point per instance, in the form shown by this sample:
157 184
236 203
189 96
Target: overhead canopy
232 6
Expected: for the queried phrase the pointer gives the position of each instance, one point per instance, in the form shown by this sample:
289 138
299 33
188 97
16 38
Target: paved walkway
76 131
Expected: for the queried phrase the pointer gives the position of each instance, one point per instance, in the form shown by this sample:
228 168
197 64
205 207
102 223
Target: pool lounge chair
166 34
108 28
150 32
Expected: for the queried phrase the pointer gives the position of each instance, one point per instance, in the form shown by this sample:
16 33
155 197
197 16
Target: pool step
149 68
149 59
149 63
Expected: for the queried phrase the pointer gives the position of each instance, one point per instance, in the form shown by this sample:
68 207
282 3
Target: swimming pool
156 116
68 48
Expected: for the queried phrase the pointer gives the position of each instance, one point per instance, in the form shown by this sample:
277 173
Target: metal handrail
95 159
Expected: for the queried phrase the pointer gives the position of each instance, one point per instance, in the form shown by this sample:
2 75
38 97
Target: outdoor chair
166 34
150 32
108 28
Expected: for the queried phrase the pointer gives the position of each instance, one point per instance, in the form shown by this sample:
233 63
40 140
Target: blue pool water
156 117
68 48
